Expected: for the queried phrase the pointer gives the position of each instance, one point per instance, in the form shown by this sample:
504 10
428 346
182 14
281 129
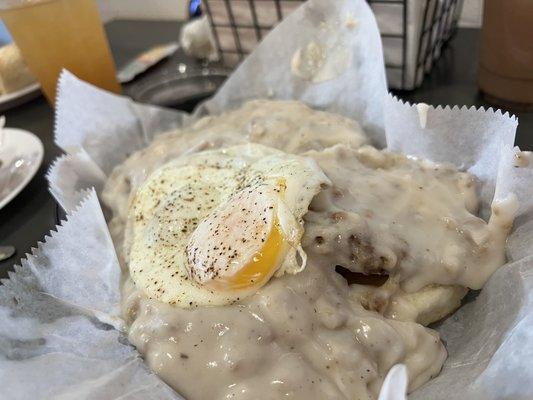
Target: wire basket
413 31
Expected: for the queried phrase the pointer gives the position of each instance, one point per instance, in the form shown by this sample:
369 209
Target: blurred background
471 15
413 32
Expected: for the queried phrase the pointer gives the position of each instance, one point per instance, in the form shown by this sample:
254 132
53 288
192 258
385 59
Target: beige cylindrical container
506 54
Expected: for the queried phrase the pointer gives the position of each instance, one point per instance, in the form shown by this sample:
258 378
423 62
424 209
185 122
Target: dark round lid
180 91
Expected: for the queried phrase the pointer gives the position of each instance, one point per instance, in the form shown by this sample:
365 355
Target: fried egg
211 228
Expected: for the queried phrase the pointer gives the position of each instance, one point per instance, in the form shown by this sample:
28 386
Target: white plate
21 96
18 143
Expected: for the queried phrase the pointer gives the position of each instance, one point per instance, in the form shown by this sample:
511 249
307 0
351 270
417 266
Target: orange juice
57 34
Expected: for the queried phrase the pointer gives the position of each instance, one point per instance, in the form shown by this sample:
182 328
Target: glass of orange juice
57 34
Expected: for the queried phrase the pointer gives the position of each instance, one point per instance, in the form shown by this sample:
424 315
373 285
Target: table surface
32 214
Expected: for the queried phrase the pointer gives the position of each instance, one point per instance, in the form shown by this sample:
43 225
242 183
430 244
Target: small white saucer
18 144
19 97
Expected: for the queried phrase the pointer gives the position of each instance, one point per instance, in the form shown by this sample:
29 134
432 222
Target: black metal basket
434 21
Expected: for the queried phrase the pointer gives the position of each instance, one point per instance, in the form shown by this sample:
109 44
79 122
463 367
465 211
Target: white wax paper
61 332
58 311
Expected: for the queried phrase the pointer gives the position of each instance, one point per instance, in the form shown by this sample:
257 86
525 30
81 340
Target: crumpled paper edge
513 279
47 317
278 82
88 298
416 134
81 172
137 123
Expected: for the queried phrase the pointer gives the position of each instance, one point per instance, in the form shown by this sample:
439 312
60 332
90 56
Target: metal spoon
6 252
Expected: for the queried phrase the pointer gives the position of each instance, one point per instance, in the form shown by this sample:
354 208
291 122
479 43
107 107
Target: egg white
177 197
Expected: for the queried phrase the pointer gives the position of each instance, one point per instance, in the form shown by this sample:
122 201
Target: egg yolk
241 243
260 268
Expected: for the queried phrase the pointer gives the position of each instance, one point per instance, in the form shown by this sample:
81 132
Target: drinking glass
57 34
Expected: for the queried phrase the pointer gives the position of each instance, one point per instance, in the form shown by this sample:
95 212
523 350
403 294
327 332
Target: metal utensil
182 90
6 252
